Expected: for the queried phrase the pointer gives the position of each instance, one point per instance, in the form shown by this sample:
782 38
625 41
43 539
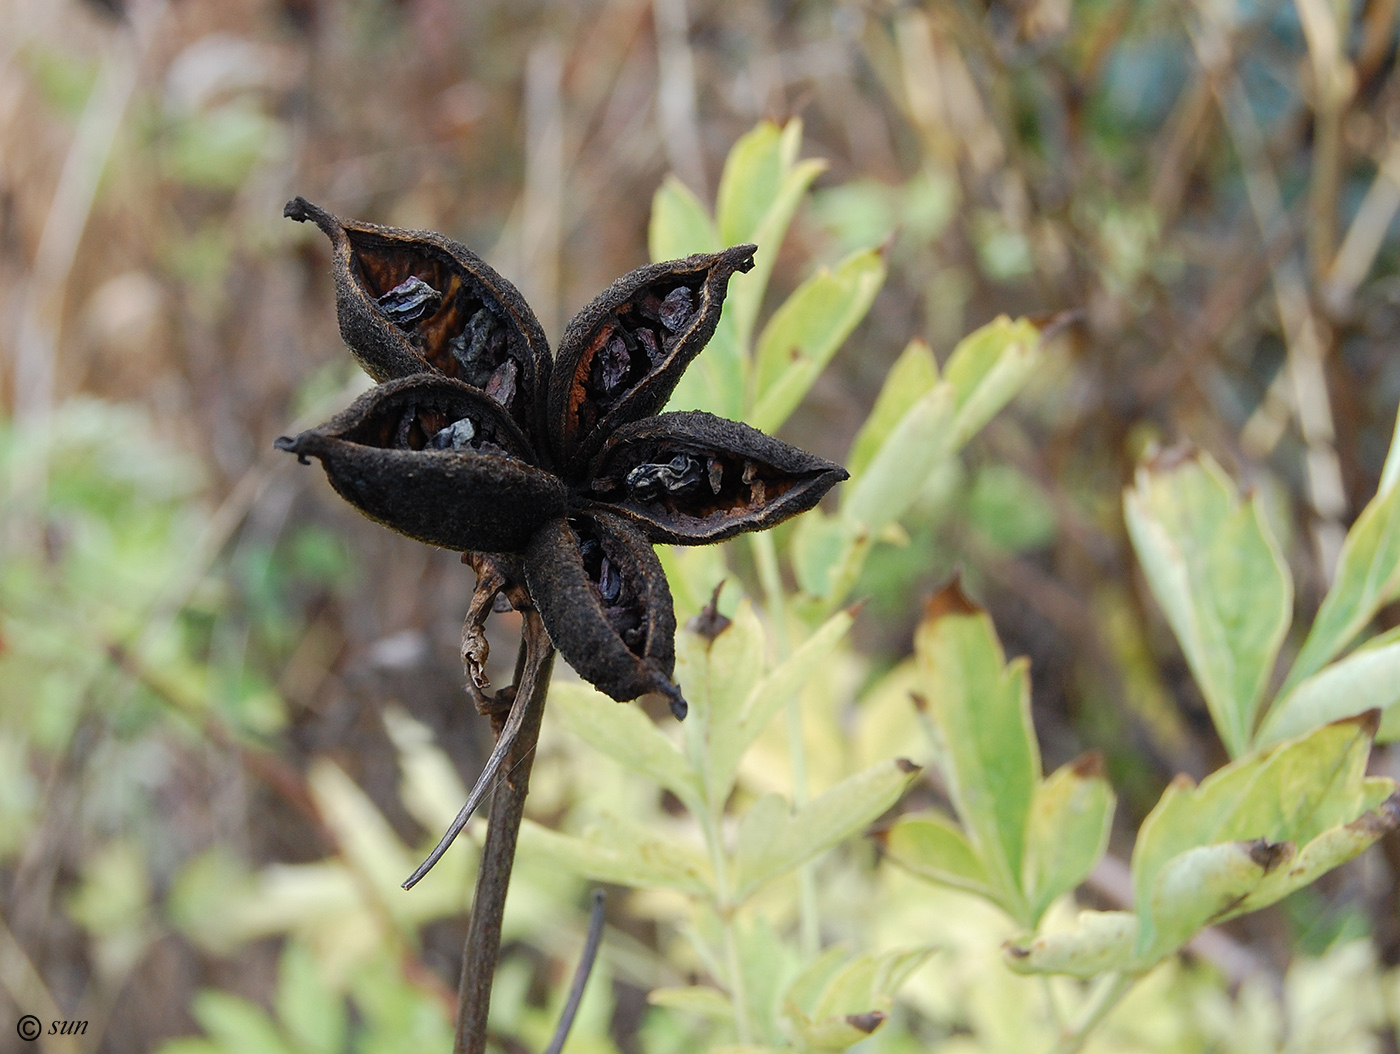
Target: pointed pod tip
292 445
674 699
301 210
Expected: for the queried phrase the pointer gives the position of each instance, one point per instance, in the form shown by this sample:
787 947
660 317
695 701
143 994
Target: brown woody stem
498 854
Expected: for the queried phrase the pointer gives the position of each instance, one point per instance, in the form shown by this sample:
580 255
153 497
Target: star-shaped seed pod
478 441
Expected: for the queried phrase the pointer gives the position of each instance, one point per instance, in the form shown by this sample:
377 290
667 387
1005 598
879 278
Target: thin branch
498 854
585 968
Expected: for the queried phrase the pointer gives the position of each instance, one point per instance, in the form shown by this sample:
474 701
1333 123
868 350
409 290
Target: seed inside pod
409 301
646 482
677 308
456 436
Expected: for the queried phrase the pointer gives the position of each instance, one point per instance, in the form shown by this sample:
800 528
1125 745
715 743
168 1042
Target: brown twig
498 854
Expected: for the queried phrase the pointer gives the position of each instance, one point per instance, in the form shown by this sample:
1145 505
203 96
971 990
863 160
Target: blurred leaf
362 833
772 840
1313 787
855 1000
1102 941
759 190
616 851
236 1024
979 707
911 377
821 546
431 790
312 1014
1199 887
921 441
625 734
1067 833
717 677
705 1002
217 148
680 225
1367 576
1009 510
987 369
1367 679
1219 578
804 333
765 699
933 847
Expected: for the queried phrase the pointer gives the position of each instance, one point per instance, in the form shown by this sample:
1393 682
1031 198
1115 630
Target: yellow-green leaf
1218 575
987 368
1102 941
911 376
805 332
772 840
680 225
1071 815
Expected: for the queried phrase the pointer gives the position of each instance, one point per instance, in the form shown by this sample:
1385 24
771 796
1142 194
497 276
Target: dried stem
498 855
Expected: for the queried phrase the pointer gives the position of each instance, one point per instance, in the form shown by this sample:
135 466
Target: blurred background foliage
227 702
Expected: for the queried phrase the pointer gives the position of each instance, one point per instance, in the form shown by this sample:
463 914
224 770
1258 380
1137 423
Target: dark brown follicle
603 597
691 477
412 301
438 461
621 356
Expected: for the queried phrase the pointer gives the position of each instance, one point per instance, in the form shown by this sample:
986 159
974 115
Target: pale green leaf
1332 848
820 548
1219 578
805 332
1071 815
717 677
913 374
693 571
625 734
1292 793
361 832
1103 941
311 1012
1367 679
718 380
680 225
773 841
698 1000
769 696
806 988
615 851
1367 576
759 190
979 707
868 980
933 847
236 1024
914 448
987 369
1199 886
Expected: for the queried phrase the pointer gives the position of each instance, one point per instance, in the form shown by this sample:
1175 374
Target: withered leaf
604 600
691 478
623 354
436 460
414 301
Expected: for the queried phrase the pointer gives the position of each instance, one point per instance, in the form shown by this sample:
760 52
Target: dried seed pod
623 354
604 600
437 460
414 301
691 478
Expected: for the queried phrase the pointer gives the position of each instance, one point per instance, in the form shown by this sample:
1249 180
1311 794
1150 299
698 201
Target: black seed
456 436
677 308
611 367
647 339
409 301
647 481
715 472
